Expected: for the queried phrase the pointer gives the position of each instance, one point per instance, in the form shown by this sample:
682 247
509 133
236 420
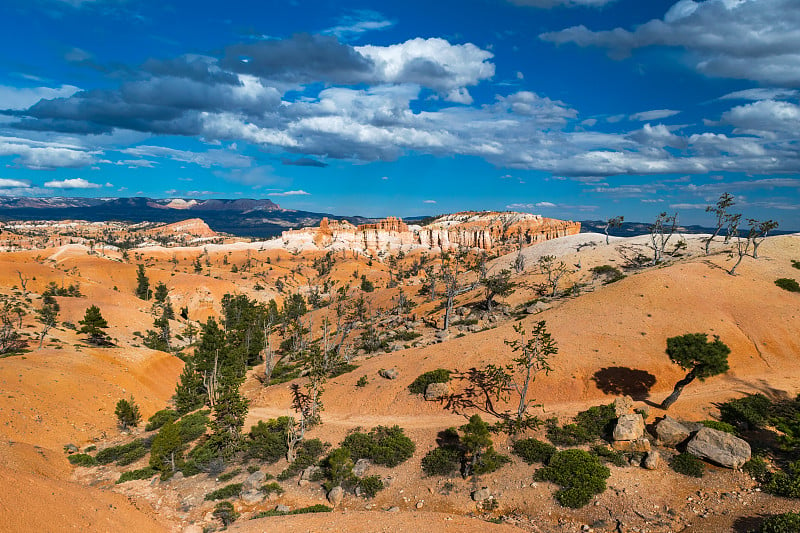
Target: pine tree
166 453
189 390
230 411
161 293
93 325
142 284
128 414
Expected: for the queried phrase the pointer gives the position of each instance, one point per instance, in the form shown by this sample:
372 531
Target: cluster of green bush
440 375
124 454
595 423
580 474
318 508
470 452
387 446
611 273
307 454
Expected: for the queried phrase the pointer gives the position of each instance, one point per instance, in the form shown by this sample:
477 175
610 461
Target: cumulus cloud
767 118
72 183
22 98
6 183
44 155
741 39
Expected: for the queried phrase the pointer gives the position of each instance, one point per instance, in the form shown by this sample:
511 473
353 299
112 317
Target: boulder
388 373
640 445
629 427
252 496
282 508
719 447
254 481
360 468
623 406
670 432
70 448
311 473
652 460
481 495
436 391
442 334
336 495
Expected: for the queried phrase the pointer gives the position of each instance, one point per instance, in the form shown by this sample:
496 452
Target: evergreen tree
161 292
230 411
142 284
189 394
93 325
128 414
166 453
703 359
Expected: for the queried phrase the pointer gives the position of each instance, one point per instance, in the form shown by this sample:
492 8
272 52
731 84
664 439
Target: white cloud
358 22
217 157
45 155
547 4
767 118
24 97
743 39
72 183
655 114
290 193
428 201
545 204
6 183
761 93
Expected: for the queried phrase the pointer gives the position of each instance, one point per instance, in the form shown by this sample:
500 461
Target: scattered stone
670 432
336 495
481 495
719 447
177 476
420 504
436 391
474 328
71 448
282 508
388 373
252 496
538 307
629 427
442 334
640 445
360 468
393 509
311 472
652 460
396 347
643 410
623 406
254 481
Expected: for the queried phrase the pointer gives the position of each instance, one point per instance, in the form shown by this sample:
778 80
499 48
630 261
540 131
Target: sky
574 109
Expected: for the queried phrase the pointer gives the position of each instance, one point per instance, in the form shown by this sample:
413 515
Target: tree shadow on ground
746 524
620 380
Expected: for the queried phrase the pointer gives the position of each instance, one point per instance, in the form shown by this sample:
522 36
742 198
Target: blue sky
580 109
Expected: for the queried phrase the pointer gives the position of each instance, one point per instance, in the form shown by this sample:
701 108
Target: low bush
594 423
227 476
272 488
442 461
719 426
341 369
490 461
607 454
370 486
267 440
123 452
226 513
387 446
160 418
82 459
781 523
223 493
610 273
580 475
338 467
748 412
440 375
688 465
308 453
788 284
785 483
142 473
757 468
318 508
132 456
534 451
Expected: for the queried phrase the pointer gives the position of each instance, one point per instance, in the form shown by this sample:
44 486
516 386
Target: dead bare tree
613 222
554 270
760 230
661 231
742 245
23 282
721 211
47 316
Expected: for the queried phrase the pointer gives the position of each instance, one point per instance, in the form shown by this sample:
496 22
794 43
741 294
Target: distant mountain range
242 217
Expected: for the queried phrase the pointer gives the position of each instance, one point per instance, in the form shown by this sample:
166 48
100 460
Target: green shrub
580 475
607 454
267 440
122 452
719 426
788 284
362 381
225 512
748 412
688 465
318 508
611 273
534 451
757 468
440 375
594 423
341 369
781 523
193 426
442 461
82 459
786 484
160 418
307 454
271 488
142 473
228 491
128 414
490 461
132 456
338 468
370 486
387 446
227 476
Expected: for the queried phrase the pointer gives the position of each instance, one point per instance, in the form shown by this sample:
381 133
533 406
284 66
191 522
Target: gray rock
71 448
623 406
538 307
436 391
393 509
388 373
481 495
311 472
462 311
442 334
474 328
670 432
282 508
177 476
719 447
254 481
252 496
396 347
336 495
652 460
361 466
629 427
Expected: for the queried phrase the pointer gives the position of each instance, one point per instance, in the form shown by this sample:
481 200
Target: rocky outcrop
719 447
483 230
437 391
629 427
